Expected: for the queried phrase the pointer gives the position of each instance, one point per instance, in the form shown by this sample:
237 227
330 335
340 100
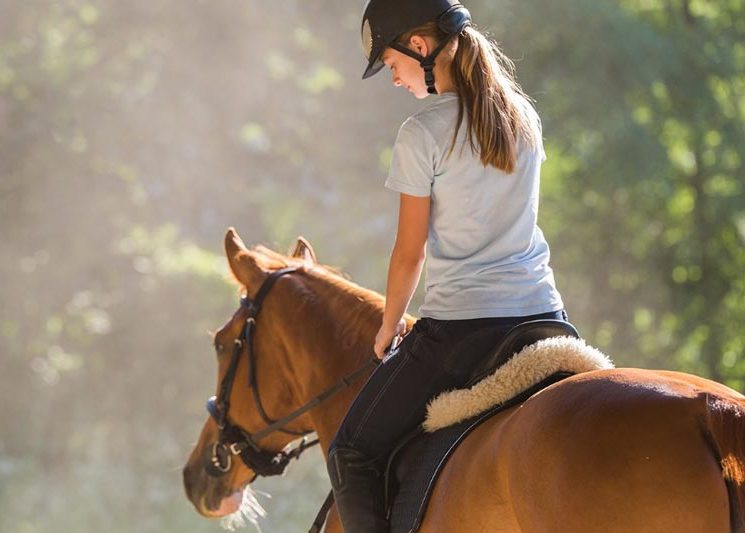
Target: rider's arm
405 266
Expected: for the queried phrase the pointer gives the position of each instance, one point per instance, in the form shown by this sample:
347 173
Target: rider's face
406 71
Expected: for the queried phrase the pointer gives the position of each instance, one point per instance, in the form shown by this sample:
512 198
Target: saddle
553 346
414 465
518 338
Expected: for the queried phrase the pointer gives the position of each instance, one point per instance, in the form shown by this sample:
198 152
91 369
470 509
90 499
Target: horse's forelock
277 259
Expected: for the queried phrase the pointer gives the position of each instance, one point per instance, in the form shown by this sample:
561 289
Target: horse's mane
354 309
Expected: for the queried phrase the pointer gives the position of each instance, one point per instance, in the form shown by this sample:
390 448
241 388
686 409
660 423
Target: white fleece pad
530 366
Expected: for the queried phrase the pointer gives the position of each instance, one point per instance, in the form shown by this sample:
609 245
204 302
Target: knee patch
343 461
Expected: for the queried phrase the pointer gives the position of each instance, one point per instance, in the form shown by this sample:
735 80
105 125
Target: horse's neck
337 341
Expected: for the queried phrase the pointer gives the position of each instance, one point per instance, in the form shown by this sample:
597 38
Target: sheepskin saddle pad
415 464
522 371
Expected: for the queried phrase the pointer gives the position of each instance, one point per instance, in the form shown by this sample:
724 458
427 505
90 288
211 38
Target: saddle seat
518 338
505 379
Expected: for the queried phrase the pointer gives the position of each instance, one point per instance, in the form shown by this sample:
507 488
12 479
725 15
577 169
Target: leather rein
233 439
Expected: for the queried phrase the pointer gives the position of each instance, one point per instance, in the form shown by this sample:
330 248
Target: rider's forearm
403 277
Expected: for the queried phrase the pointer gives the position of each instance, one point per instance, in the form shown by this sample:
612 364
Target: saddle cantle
552 346
529 366
518 338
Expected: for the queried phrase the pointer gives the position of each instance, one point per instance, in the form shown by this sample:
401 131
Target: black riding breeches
437 355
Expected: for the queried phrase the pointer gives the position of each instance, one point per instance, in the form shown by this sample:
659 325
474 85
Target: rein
233 439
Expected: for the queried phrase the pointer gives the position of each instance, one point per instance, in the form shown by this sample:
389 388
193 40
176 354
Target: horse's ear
303 250
233 243
244 264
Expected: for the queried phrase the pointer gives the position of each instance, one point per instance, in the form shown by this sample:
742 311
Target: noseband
233 439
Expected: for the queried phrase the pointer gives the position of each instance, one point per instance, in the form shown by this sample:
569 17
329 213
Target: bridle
233 439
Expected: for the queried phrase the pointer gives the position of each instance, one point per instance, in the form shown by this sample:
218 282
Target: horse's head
248 347
298 329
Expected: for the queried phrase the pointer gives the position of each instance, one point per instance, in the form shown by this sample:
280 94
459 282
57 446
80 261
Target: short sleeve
413 162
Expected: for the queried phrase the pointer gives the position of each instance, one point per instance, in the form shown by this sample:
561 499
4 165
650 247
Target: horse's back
611 450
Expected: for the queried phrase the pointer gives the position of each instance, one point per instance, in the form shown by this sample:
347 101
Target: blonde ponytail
498 111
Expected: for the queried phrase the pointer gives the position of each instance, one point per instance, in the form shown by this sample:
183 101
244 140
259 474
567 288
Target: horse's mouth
235 510
225 506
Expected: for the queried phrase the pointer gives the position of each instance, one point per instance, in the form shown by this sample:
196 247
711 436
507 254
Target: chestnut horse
621 450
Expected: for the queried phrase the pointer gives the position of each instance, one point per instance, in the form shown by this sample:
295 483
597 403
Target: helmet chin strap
427 63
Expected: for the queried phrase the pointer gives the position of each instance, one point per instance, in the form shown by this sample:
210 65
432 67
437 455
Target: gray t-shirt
486 256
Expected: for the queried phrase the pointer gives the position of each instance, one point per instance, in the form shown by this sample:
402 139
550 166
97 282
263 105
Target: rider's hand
385 336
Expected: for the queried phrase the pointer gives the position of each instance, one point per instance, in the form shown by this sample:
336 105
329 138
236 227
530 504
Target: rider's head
419 29
410 34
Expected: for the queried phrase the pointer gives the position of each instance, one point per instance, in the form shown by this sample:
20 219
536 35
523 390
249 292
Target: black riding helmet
384 21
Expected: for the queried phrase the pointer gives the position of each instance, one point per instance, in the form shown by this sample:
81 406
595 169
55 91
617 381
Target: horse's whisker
249 511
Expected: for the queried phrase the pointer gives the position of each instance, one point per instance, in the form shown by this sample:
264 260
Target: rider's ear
247 267
303 250
418 44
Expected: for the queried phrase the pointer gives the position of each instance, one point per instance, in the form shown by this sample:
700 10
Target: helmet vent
367 40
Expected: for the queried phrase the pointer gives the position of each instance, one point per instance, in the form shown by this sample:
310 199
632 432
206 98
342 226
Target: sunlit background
133 133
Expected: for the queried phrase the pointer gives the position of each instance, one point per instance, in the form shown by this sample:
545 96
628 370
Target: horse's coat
616 450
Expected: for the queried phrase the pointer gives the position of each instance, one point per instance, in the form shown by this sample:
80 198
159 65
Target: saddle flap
415 464
518 338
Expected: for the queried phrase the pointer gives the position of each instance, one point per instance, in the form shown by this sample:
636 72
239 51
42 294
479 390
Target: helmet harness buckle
427 63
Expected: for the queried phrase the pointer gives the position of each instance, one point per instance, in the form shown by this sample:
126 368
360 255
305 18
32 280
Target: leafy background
132 134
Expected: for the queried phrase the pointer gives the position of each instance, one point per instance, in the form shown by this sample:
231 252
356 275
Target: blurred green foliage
132 134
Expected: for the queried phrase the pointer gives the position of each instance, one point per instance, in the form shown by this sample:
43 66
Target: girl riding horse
467 168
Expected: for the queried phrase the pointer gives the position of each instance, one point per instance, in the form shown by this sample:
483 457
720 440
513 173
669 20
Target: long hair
499 112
